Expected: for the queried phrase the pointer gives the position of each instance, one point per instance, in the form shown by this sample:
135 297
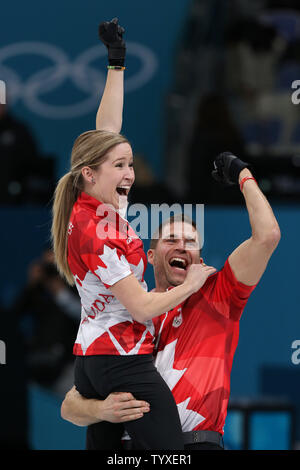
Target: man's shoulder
207 289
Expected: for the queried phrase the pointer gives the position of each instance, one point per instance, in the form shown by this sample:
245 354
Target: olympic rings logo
80 72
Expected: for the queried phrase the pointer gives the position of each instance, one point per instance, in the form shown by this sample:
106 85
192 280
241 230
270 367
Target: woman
95 246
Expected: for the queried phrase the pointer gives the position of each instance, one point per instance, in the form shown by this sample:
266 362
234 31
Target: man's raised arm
249 260
110 111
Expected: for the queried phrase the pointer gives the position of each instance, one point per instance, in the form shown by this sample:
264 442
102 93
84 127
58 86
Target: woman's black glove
111 34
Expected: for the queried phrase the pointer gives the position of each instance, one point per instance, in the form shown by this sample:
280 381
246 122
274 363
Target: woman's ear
87 174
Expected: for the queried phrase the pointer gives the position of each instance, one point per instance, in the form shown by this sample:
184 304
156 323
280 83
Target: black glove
227 168
111 34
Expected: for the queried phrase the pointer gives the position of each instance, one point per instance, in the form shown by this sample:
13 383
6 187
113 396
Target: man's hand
111 34
118 407
227 168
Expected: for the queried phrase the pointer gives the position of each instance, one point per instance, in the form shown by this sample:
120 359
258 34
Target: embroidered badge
178 319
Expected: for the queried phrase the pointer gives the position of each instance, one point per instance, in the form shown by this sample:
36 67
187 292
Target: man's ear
150 256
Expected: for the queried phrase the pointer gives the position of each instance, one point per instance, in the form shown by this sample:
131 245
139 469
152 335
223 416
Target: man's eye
191 244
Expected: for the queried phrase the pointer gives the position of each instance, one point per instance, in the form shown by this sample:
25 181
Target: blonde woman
96 248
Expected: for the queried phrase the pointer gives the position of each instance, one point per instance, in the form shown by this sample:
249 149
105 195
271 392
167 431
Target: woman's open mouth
123 190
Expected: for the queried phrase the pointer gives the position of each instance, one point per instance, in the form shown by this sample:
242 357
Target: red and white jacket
102 250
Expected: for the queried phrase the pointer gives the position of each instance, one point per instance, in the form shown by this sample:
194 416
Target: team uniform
196 342
195 345
97 263
114 352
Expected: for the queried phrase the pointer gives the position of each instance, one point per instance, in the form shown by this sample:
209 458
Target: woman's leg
103 435
158 429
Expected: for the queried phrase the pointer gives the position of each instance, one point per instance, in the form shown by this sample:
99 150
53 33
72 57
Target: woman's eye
121 165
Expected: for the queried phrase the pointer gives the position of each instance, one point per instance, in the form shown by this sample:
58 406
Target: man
196 340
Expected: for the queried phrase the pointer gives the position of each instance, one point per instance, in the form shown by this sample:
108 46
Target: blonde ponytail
64 198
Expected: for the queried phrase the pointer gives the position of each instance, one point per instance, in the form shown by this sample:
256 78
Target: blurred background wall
202 77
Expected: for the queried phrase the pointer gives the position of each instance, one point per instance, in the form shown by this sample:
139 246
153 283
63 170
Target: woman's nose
129 173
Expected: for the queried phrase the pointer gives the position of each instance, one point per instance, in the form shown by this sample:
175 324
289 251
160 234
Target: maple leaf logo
115 266
165 364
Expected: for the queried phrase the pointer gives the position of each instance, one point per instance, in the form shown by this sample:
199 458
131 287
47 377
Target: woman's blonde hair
89 149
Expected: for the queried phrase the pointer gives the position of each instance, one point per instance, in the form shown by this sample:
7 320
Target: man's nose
180 245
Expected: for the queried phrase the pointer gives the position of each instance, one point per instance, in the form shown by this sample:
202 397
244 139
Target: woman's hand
197 275
110 112
111 34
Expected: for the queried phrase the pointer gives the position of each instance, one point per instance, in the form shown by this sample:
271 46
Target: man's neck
161 286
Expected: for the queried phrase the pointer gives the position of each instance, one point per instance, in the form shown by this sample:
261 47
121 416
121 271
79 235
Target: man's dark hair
174 218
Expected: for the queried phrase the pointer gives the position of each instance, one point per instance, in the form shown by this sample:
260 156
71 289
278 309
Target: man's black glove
227 168
111 34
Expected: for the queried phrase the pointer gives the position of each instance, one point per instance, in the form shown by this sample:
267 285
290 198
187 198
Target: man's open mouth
177 262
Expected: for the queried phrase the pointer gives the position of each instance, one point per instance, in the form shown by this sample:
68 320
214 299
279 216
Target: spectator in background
50 313
214 131
13 390
262 61
17 145
283 4
263 112
253 51
25 175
